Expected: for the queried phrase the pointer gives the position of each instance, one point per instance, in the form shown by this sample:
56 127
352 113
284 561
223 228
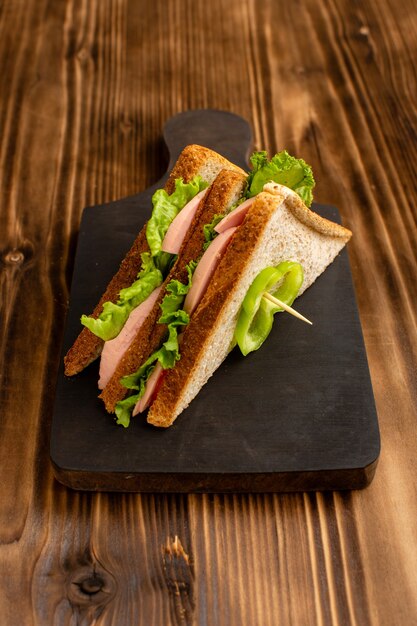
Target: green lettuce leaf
113 316
168 354
209 232
283 169
166 208
164 261
124 410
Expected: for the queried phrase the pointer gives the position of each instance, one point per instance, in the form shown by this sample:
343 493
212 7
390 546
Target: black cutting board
298 414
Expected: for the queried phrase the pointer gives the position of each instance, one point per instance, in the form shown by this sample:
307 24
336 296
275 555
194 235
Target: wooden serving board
296 415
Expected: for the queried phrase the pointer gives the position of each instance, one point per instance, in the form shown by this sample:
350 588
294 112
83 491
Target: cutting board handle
222 131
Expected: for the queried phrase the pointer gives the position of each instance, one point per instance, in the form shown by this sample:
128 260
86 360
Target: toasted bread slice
193 160
223 193
278 227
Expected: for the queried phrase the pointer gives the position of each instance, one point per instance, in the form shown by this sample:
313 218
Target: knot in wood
126 125
89 585
17 255
14 257
83 55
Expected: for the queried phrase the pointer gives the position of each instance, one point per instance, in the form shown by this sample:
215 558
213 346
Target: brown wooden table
85 89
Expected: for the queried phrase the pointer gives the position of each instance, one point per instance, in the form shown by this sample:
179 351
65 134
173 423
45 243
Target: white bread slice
194 160
278 227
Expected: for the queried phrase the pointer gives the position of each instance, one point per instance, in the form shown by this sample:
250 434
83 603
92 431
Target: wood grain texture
86 87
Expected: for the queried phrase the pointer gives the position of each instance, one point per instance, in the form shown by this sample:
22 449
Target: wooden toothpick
286 307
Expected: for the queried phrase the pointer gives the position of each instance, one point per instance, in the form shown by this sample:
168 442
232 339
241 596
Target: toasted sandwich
278 230
144 268
269 241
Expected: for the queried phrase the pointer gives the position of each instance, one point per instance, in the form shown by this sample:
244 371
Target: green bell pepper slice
257 313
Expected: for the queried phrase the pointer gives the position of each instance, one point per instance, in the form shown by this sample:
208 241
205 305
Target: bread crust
87 347
193 160
306 215
225 190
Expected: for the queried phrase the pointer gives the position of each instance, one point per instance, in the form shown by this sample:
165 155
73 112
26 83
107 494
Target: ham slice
150 389
114 349
205 269
235 217
180 224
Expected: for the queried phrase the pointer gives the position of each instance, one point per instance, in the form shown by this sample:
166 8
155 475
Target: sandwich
253 242
145 266
202 278
280 248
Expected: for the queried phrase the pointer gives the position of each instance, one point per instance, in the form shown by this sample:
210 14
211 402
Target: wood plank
86 87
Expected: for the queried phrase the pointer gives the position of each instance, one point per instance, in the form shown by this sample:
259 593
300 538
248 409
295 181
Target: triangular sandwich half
196 168
277 228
